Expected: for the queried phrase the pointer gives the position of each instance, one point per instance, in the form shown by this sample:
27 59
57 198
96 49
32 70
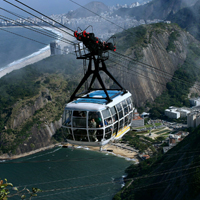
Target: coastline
107 149
36 56
26 62
7 157
115 150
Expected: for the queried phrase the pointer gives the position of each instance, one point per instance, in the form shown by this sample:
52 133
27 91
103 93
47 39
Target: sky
49 7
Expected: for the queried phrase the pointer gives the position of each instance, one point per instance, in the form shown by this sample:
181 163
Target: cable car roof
95 103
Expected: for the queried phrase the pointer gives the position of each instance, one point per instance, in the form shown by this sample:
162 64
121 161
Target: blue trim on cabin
95 97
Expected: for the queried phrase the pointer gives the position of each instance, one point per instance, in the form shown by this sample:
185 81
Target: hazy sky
49 7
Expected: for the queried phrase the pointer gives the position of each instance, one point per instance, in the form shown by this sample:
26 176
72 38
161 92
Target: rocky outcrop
27 111
41 136
147 81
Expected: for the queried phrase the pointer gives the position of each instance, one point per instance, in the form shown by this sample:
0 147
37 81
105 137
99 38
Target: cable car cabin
92 122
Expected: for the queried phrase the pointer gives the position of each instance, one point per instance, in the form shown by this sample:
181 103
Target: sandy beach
107 149
37 57
29 61
114 149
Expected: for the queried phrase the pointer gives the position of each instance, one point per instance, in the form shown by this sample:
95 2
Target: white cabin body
94 122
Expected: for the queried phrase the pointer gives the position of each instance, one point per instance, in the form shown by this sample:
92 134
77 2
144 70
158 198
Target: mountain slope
156 9
188 18
32 101
162 46
175 175
95 6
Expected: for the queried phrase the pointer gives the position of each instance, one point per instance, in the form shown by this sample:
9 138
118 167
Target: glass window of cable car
125 107
108 132
114 114
120 111
80 135
67 132
66 120
114 118
79 119
97 119
121 124
130 117
107 117
94 124
126 120
129 101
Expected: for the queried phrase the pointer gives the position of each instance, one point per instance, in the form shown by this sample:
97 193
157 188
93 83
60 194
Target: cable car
92 122
97 115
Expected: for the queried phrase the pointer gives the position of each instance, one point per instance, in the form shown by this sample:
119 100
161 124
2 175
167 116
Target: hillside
32 101
95 6
188 18
164 48
175 175
156 9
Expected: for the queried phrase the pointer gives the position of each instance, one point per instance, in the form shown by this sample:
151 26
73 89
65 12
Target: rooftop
95 97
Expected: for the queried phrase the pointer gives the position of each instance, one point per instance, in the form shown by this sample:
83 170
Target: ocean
15 49
65 173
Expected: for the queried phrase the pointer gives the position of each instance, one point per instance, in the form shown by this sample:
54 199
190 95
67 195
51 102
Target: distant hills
156 9
94 6
188 18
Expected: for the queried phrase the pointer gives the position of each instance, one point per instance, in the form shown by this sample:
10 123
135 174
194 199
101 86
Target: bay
15 45
64 173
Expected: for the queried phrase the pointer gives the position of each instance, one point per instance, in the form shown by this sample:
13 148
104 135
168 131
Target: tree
5 192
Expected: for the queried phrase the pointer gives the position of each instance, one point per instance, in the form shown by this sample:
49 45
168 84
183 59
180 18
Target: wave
46 48
27 57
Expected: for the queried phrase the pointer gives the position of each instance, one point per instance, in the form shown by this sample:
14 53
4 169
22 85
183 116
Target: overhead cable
39 18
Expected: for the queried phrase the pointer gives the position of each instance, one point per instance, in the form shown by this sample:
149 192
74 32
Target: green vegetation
134 140
19 89
161 132
7 191
178 168
132 39
177 91
172 38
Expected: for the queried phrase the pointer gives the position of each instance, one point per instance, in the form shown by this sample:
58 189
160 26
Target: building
172 113
195 101
55 48
176 113
183 112
137 120
193 119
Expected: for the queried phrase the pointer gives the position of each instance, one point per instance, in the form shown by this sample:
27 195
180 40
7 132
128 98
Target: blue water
67 174
14 47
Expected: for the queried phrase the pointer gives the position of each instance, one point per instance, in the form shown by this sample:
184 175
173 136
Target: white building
172 113
193 119
195 101
183 112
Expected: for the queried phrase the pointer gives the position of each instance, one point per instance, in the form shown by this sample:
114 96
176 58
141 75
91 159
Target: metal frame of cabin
99 65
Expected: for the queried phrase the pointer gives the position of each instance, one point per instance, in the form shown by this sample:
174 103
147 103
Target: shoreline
31 59
26 62
7 157
107 149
